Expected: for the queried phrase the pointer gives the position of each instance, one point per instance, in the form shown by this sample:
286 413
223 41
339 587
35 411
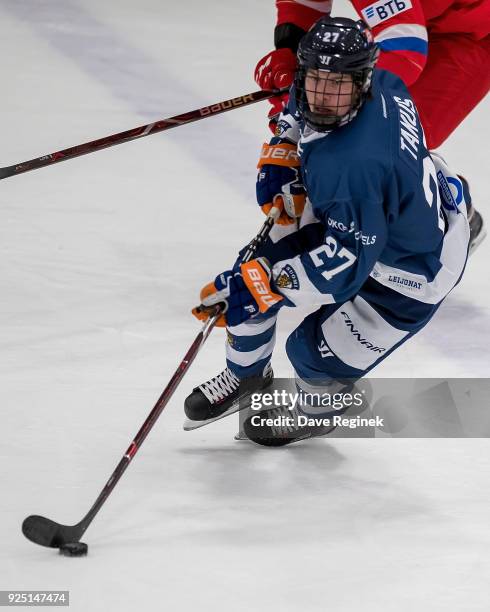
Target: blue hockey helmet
346 49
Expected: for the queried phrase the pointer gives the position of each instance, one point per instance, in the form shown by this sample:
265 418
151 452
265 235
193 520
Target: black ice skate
221 396
286 428
477 229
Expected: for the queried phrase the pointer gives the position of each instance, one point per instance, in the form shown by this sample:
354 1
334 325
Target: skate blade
240 436
189 424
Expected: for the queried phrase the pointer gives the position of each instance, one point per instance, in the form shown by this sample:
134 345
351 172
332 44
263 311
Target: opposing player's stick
46 532
139 132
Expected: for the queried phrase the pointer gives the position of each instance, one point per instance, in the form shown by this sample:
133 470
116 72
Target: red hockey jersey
400 27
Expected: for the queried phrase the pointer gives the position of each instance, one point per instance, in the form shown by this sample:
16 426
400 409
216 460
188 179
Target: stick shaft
150 421
138 132
171 386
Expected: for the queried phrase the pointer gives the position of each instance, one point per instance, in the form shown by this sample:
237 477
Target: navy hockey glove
279 182
244 292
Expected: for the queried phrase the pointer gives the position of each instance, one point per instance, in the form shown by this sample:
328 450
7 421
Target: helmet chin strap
344 120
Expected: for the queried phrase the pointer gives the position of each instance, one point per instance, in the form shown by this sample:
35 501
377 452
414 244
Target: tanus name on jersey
409 130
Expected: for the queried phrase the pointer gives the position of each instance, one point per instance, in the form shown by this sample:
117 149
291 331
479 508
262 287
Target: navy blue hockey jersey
373 187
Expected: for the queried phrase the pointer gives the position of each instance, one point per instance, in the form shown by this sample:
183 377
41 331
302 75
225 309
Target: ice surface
100 261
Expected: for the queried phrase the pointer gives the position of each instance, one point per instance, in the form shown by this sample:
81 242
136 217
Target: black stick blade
45 532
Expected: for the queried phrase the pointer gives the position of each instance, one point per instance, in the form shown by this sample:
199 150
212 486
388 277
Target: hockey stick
139 132
46 532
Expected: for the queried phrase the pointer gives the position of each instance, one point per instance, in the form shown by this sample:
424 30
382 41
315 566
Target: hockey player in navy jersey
439 48
374 232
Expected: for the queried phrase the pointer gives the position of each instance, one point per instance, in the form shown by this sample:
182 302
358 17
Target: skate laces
220 386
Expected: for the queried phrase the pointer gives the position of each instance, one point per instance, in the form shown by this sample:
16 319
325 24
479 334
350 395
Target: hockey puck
73 549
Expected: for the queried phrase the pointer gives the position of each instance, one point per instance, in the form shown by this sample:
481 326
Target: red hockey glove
275 71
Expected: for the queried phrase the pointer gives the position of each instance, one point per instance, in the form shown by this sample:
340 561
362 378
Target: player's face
329 93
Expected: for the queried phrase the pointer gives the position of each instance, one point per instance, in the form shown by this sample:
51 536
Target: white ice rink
101 259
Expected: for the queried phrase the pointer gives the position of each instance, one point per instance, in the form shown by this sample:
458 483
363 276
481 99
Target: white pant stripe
358 335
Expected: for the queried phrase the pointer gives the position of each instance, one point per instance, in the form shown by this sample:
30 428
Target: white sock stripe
322 383
248 358
252 328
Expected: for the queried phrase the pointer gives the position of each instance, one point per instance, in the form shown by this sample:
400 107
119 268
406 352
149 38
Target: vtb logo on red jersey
384 9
